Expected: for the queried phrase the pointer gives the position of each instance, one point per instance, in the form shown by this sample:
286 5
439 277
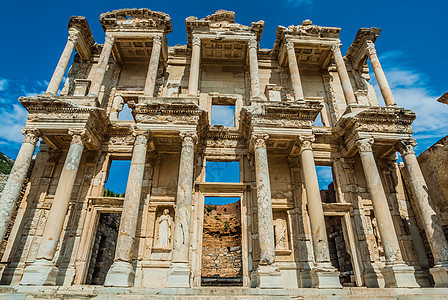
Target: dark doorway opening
340 258
221 243
103 250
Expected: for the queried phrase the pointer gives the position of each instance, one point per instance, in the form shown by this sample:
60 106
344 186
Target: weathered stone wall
221 246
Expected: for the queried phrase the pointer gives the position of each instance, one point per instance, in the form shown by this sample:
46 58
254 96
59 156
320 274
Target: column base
40 272
325 276
178 276
440 274
121 273
373 278
399 275
269 277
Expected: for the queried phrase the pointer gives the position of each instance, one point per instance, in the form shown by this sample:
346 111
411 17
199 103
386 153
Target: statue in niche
164 233
280 234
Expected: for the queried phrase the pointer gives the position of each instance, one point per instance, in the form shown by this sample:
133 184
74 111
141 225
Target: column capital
336 47
79 136
370 48
365 145
109 38
289 45
188 138
258 140
406 146
252 43
73 37
196 41
141 137
305 142
157 39
31 135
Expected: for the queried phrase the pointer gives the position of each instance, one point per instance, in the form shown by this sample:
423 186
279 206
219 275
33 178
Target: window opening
318 121
103 251
125 114
117 178
223 115
325 178
221 242
222 171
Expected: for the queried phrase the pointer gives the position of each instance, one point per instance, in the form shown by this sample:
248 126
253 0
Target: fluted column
294 72
151 76
43 271
323 275
121 273
193 83
396 273
101 67
268 273
11 191
59 72
253 66
179 273
379 75
431 223
343 74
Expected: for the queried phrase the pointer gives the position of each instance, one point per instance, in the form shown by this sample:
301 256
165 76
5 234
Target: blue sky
412 47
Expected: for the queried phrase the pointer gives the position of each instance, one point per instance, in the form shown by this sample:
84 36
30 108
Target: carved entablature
312 44
53 117
280 116
385 124
218 136
142 18
357 53
79 26
170 113
220 24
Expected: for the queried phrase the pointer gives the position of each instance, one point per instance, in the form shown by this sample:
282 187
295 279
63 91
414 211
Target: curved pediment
142 18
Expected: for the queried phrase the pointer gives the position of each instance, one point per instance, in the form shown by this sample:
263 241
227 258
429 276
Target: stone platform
100 292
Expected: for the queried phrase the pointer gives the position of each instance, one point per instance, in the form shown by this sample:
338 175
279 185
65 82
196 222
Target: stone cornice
86 41
221 22
356 53
142 18
443 98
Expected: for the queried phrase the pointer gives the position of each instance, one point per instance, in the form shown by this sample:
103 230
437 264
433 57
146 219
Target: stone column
431 223
59 72
43 271
294 72
11 191
151 76
343 75
253 66
267 272
193 82
101 67
396 273
323 275
179 273
379 75
121 273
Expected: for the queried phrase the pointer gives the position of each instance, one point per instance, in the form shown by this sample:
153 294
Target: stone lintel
357 53
86 40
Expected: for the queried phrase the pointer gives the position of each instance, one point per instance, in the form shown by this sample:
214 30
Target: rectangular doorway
103 250
339 254
221 242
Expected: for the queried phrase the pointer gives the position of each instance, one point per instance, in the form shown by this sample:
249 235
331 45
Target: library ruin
295 107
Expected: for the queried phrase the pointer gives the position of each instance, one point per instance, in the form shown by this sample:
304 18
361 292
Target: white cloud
297 3
325 176
411 90
12 122
3 84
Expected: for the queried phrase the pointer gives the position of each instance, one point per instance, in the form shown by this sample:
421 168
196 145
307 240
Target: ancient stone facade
277 94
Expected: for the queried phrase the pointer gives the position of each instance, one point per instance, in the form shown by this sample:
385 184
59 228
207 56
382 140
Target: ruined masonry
285 237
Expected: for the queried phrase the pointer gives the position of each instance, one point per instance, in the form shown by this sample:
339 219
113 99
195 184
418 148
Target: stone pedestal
325 276
43 269
399 275
269 277
178 276
440 274
121 273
